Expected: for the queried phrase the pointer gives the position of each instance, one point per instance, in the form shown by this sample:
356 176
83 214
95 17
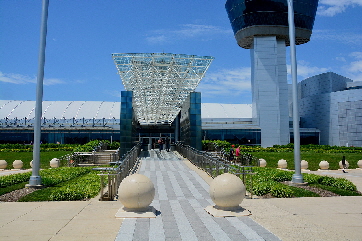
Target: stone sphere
136 192
341 166
18 164
54 163
303 164
227 191
262 162
3 164
31 164
282 164
359 163
324 165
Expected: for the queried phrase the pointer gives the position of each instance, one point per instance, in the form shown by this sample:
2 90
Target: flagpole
35 179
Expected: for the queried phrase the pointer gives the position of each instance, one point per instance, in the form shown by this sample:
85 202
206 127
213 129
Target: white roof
99 109
60 109
225 111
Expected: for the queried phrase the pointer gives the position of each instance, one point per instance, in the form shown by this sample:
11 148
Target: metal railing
112 177
216 165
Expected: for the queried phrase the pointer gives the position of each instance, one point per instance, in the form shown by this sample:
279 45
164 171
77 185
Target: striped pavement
180 199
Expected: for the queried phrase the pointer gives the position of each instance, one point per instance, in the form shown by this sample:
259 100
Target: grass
11 188
336 190
313 159
26 157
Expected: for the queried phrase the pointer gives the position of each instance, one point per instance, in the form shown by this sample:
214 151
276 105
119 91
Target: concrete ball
303 164
262 162
54 163
3 164
359 163
341 166
324 165
136 192
282 164
227 190
18 164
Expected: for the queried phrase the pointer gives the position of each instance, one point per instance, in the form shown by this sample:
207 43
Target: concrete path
181 196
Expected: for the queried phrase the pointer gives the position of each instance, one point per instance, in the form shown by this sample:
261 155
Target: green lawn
26 157
313 159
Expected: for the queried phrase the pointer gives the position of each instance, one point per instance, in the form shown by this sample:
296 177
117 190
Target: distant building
333 104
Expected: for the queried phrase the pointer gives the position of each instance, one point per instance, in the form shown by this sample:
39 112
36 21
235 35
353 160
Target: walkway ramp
180 199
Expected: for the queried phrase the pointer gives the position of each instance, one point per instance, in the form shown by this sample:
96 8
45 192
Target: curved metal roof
225 111
12 109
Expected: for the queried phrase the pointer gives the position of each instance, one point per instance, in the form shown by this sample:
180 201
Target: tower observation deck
250 18
160 82
262 26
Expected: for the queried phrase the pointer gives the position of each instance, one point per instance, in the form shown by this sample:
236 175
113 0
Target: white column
270 90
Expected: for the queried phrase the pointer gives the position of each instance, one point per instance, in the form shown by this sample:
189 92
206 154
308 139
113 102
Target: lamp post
297 177
35 179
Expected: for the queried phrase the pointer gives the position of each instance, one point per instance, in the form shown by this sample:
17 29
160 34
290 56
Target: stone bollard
54 163
136 193
359 164
341 166
31 164
18 164
324 165
3 164
303 165
262 162
282 164
227 191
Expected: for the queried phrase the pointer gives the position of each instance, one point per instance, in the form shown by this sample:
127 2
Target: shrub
262 188
281 191
12 179
311 178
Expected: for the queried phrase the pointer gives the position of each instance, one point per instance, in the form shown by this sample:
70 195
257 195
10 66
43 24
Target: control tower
262 27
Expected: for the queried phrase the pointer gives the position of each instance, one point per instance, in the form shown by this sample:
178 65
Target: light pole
35 179
297 177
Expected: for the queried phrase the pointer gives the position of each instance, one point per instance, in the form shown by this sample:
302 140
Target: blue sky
82 35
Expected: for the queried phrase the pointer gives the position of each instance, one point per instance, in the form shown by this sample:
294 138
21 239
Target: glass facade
190 122
235 136
246 13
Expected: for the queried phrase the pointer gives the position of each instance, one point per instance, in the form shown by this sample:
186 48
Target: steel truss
160 82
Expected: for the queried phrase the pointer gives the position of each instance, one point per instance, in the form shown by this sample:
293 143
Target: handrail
125 166
216 165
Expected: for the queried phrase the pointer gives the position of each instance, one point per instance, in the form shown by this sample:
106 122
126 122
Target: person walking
231 154
167 144
160 144
344 164
237 154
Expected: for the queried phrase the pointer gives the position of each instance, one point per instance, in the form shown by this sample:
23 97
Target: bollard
282 164
3 164
18 164
227 191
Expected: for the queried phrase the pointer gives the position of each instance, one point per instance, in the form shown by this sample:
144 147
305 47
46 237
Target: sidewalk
181 196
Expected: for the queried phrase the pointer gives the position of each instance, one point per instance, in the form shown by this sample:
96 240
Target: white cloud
344 37
332 7
354 68
227 82
305 70
186 31
23 79
16 78
342 59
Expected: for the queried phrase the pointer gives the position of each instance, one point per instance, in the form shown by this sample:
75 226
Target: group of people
234 153
164 143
